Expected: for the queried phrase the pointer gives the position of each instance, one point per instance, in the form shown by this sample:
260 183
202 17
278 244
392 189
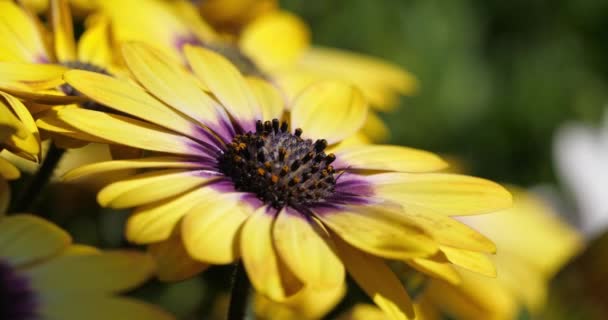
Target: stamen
287 170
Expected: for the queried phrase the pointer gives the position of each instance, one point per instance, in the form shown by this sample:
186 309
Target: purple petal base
17 300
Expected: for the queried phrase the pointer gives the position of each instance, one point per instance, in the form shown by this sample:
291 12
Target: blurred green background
496 77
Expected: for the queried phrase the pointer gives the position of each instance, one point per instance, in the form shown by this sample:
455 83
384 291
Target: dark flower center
280 167
17 300
70 91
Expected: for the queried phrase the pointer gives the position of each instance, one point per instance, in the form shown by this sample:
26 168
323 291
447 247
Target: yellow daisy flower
18 134
43 276
294 205
275 46
533 244
35 58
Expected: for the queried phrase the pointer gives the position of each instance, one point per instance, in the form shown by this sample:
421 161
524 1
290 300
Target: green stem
31 192
240 293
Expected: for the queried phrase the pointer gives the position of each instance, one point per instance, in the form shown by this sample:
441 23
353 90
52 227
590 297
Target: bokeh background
496 79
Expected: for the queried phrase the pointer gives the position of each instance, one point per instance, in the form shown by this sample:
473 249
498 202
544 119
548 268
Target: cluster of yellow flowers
235 141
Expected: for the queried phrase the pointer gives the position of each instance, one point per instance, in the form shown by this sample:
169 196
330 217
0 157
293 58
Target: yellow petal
8 171
35 75
375 128
387 158
90 273
149 187
260 259
131 99
48 97
377 280
305 248
270 99
31 142
437 268
470 260
259 39
156 221
446 194
26 239
211 230
20 37
380 231
100 307
380 81
329 110
94 45
308 303
116 165
129 132
173 261
364 312
226 83
51 123
65 48
449 231
171 83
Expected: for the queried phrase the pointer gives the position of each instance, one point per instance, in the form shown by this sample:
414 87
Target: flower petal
226 83
143 163
437 267
94 45
129 132
270 99
131 99
35 75
61 17
173 261
470 260
8 170
377 280
25 239
20 37
259 39
262 263
100 307
90 273
330 110
155 222
211 230
387 158
446 194
305 248
150 187
449 231
172 84
379 231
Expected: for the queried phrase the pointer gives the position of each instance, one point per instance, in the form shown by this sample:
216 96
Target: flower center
70 91
280 167
17 300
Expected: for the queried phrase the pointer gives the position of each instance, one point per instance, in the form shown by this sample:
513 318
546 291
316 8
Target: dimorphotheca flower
243 176
44 277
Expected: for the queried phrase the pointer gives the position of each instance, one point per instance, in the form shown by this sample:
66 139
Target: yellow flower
18 134
532 245
34 58
237 186
43 276
275 45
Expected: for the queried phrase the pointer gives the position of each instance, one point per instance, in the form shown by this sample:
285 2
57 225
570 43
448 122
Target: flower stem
31 192
240 293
